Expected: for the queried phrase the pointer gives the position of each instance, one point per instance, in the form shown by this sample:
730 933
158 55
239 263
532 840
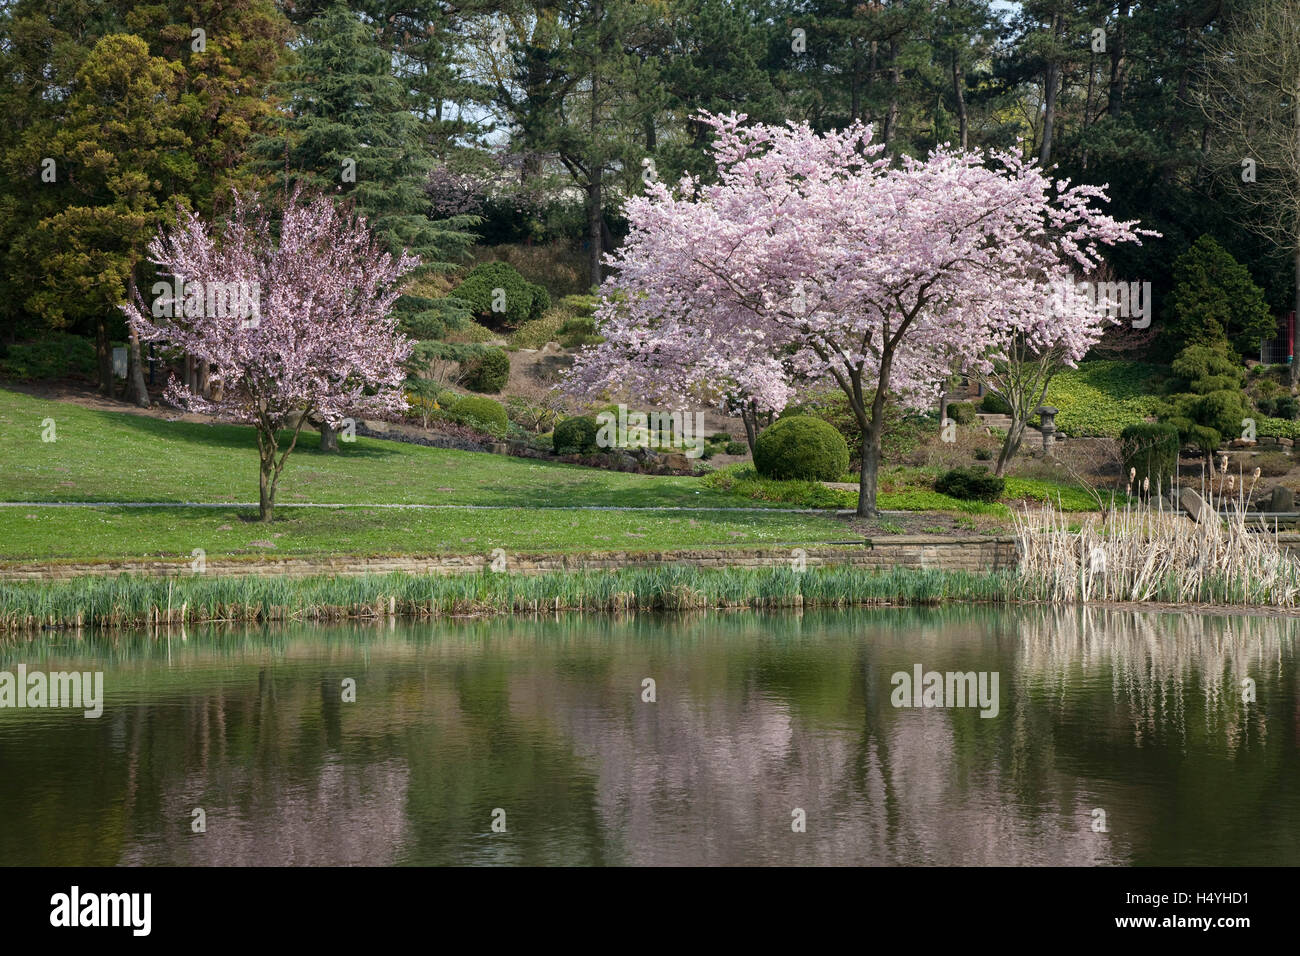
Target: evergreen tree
121 157
348 130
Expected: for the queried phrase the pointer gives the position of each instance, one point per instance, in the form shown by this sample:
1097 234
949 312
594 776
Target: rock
499 448
1241 443
375 426
1286 442
1282 499
1193 504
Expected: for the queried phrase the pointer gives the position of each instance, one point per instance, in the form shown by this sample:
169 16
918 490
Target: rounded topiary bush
736 448
963 413
970 484
801 447
487 372
576 436
992 404
484 413
498 296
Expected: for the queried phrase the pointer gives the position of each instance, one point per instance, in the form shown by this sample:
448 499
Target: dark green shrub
984 454
1150 451
735 448
1286 407
1202 369
963 413
801 447
520 299
970 484
1214 297
576 436
478 412
487 372
56 355
720 437
1210 404
1207 440
994 405
424 319
708 452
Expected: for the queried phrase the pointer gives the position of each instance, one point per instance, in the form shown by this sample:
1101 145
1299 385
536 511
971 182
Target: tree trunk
104 357
205 378
595 235
870 468
895 81
1011 444
266 485
329 438
1295 366
959 95
1115 92
1049 97
749 416
136 371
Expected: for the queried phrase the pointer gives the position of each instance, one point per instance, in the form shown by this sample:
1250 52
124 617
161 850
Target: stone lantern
1048 415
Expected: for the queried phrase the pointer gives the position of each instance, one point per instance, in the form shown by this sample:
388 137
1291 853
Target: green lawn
106 456
101 456
120 457
92 533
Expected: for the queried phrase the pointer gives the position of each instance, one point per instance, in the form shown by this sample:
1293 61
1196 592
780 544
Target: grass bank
132 601
107 533
120 457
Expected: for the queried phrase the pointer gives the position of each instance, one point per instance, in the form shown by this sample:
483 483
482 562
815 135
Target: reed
1147 552
128 601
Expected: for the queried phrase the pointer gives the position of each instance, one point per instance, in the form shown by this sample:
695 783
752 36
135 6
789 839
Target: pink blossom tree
310 332
816 259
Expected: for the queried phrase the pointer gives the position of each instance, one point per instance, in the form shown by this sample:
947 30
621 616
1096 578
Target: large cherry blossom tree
815 258
302 326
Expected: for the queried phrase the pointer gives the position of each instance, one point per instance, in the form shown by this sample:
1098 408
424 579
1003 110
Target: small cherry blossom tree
816 258
312 333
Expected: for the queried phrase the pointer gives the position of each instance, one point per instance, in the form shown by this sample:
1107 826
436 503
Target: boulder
1194 505
1282 499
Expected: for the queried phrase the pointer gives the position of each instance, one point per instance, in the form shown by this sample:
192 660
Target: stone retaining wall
911 551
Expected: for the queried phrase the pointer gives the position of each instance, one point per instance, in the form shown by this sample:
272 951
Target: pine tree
348 130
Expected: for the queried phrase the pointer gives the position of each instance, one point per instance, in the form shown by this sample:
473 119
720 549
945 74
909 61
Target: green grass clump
130 601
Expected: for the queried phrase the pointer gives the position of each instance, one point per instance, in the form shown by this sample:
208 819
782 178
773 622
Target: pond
1102 737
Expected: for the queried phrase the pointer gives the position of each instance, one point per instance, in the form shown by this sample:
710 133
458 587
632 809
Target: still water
1120 738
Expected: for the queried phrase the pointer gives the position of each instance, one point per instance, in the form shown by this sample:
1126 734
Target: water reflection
1137 715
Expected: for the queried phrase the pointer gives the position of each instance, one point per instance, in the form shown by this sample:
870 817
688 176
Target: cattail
1255 474
1132 474
1223 465
1232 482
1146 485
